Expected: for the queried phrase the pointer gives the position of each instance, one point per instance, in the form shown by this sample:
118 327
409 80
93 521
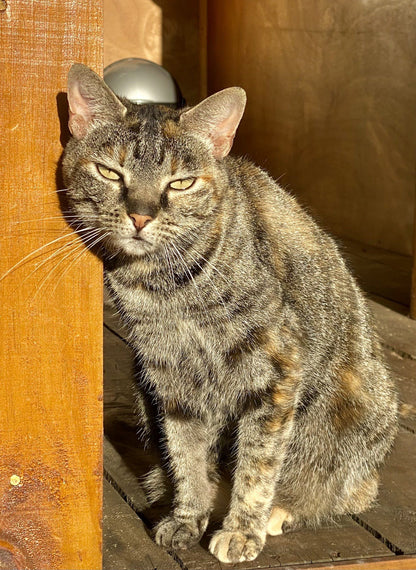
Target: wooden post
413 285
51 302
203 47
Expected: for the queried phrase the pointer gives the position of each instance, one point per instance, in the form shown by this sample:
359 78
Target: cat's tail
156 486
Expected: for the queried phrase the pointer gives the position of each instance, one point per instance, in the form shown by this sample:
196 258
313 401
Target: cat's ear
91 101
216 119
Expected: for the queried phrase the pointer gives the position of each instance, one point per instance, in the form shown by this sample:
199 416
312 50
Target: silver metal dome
142 81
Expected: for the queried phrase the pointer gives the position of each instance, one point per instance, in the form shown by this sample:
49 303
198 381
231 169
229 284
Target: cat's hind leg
278 517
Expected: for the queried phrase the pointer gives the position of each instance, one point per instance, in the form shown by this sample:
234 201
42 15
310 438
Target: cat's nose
140 221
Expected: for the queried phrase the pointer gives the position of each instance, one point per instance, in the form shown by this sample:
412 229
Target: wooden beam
413 286
386 563
51 302
203 48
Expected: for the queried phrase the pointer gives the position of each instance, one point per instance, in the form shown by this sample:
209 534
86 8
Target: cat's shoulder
276 209
264 193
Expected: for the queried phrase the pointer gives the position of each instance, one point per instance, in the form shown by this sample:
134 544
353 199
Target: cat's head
146 175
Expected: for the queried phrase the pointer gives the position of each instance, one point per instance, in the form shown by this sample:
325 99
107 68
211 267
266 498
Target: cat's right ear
216 119
91 101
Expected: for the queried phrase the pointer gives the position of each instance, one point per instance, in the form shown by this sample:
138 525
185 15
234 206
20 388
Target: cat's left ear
216 119
91 101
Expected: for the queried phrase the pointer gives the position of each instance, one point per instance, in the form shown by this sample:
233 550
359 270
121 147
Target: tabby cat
242 313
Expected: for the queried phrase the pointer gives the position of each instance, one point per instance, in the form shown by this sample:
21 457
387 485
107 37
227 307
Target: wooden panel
396 330
380 272
163 31
132 28
203 48
395 515
123 477
413 288
404 373
127 545
392 563
51 302
331 105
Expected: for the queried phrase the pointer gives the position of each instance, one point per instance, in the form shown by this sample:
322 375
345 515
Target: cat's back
320 297
297 242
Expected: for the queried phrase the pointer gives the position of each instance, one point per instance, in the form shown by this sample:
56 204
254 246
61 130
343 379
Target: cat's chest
168 324
190 354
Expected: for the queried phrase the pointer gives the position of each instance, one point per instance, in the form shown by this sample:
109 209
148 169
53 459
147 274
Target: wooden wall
331 105
51 309
164 31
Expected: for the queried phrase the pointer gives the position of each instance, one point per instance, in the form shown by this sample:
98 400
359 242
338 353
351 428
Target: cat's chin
136 247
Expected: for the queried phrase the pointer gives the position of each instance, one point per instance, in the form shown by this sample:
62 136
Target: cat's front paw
235 546
179 535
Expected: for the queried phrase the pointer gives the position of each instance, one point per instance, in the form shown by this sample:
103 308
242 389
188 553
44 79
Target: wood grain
163 31
413 287
394 517
397 331
132 28
331 105
391 563
127 544
51 323
380 272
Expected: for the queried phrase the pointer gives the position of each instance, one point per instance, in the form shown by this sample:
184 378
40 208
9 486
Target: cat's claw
235 546
179 535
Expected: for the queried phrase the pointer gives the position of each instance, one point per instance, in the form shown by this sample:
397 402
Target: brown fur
243 315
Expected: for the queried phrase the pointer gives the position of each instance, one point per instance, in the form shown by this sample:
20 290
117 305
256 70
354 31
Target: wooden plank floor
382 538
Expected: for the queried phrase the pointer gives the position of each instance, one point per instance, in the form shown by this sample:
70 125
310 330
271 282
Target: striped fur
242 313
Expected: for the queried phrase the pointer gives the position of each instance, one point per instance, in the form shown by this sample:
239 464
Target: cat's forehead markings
112 151
174 165
122 153
171 129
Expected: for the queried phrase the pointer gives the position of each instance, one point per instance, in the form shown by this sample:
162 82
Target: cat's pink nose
140 221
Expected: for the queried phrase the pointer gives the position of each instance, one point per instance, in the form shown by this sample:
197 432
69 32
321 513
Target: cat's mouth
136 245
139 238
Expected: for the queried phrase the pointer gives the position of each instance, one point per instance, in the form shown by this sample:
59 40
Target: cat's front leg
261 443
188 443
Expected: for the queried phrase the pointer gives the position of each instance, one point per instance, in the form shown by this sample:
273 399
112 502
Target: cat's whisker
220 298
44 231
81 244
73 250
77 241
55 253
171 272
56 191
35 231
65 217
114 254
33 253
19 222
78 256
187 271
201 256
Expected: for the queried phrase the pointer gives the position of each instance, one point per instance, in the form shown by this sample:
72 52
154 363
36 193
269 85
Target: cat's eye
183 184
108 173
